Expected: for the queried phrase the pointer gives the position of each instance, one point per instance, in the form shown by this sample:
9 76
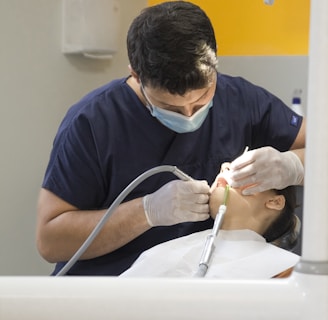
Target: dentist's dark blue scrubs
109 138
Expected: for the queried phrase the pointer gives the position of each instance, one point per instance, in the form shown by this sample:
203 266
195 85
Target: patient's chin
216 199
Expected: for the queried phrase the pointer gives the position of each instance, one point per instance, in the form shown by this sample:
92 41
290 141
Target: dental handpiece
181 175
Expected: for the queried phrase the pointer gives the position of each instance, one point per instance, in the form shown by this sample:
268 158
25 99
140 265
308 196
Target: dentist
174 108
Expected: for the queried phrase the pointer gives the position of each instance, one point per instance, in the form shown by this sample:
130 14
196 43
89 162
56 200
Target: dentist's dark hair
172 46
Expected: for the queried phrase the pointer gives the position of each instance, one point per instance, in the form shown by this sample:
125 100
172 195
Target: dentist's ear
134 74
277 202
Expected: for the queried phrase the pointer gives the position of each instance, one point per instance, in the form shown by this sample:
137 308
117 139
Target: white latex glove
265 168
177 201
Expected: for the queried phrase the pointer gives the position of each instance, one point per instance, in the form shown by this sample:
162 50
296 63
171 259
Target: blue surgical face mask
179 122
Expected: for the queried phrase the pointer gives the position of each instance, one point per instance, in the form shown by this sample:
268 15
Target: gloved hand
266 168
177 201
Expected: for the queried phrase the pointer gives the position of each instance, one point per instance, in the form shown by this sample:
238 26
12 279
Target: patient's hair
284 231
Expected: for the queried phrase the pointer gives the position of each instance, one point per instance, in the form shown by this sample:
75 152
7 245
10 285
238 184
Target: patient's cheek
215 201
213 211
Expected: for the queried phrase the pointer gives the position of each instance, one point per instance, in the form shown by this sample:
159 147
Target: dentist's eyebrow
175 106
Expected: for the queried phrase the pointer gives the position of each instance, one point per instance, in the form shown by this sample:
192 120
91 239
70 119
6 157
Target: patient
251 244
269 213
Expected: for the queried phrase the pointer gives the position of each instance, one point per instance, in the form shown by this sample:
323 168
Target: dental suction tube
209 246
165 168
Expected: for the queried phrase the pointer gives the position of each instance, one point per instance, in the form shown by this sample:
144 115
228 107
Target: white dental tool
209 244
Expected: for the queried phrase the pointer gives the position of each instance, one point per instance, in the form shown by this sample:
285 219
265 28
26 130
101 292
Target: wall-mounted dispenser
91 27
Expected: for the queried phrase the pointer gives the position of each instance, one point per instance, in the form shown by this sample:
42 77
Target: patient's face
237 203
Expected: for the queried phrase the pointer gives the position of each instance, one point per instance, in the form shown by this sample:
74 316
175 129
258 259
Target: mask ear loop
148 103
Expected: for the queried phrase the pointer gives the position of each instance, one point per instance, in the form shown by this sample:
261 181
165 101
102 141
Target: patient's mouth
221 182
